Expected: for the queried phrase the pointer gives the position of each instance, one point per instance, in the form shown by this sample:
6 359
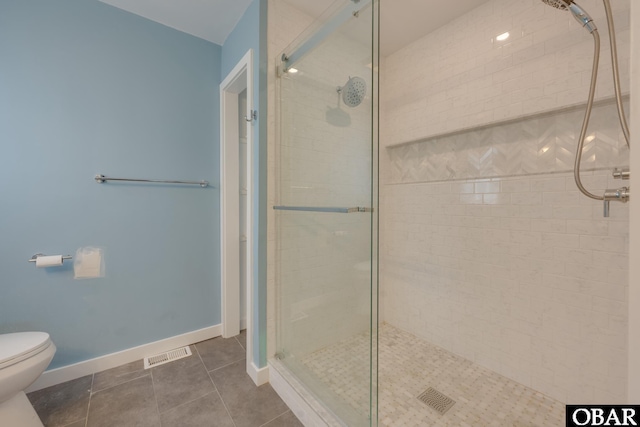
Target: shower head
558 4
353 91
579 13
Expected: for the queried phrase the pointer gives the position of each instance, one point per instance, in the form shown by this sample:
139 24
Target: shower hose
592 90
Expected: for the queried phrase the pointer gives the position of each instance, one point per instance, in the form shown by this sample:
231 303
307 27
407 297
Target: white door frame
239 79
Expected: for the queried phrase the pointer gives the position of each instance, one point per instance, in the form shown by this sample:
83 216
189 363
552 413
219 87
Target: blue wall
84 89
245 36
251 33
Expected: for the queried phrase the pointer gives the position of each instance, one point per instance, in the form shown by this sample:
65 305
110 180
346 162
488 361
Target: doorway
237 120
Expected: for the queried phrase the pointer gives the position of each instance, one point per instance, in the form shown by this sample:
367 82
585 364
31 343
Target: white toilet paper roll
49 261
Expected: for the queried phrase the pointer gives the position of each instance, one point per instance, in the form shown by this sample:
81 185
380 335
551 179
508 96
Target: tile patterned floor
209 388
409 365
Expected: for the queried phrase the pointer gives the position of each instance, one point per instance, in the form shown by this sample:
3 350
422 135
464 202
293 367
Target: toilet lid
14 346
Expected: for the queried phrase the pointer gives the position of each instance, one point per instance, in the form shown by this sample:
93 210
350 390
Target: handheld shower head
558 4
579 13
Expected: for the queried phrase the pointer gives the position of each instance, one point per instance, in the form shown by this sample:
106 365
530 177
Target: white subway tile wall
319 263
460 77
285 24
323 159
488 249
533 286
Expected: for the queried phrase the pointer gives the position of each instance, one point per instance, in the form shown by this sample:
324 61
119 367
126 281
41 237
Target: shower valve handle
619 194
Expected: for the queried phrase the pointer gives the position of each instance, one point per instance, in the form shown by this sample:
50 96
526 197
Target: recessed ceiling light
502 37
292 70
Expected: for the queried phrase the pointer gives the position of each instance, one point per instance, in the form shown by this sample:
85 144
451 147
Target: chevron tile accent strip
533 145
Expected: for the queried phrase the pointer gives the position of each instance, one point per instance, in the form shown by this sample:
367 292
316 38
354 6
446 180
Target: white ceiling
402 21
212 20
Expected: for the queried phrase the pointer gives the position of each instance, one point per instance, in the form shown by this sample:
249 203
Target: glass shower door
326 213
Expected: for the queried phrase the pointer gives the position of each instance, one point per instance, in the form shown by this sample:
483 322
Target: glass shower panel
327 214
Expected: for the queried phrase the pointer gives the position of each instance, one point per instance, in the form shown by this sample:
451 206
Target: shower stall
433 261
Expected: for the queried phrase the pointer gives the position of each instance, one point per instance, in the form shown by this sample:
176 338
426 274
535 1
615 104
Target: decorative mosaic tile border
538 144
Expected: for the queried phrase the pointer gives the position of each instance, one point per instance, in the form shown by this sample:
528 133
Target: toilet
23 358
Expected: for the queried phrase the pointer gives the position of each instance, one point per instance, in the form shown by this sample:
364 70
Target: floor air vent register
169 356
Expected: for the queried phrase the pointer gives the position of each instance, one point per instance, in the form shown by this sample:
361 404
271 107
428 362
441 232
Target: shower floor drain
169 356
436 400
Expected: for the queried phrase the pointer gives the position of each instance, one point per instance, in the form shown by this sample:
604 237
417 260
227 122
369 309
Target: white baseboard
258 375
88 367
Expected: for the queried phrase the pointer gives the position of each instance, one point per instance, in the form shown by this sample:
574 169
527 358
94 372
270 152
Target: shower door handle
322 209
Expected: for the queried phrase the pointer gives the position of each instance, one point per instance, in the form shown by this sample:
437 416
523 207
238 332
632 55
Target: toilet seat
17 347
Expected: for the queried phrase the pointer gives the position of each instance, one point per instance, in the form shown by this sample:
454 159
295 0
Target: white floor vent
169 356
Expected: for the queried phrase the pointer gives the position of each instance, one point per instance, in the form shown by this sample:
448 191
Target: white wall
488 249
319 258
634 252
460 77
285 24
323 158
520 275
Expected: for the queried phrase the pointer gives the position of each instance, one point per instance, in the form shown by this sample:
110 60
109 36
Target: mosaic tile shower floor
409 365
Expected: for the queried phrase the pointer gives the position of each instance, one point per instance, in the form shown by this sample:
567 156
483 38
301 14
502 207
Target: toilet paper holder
35 257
